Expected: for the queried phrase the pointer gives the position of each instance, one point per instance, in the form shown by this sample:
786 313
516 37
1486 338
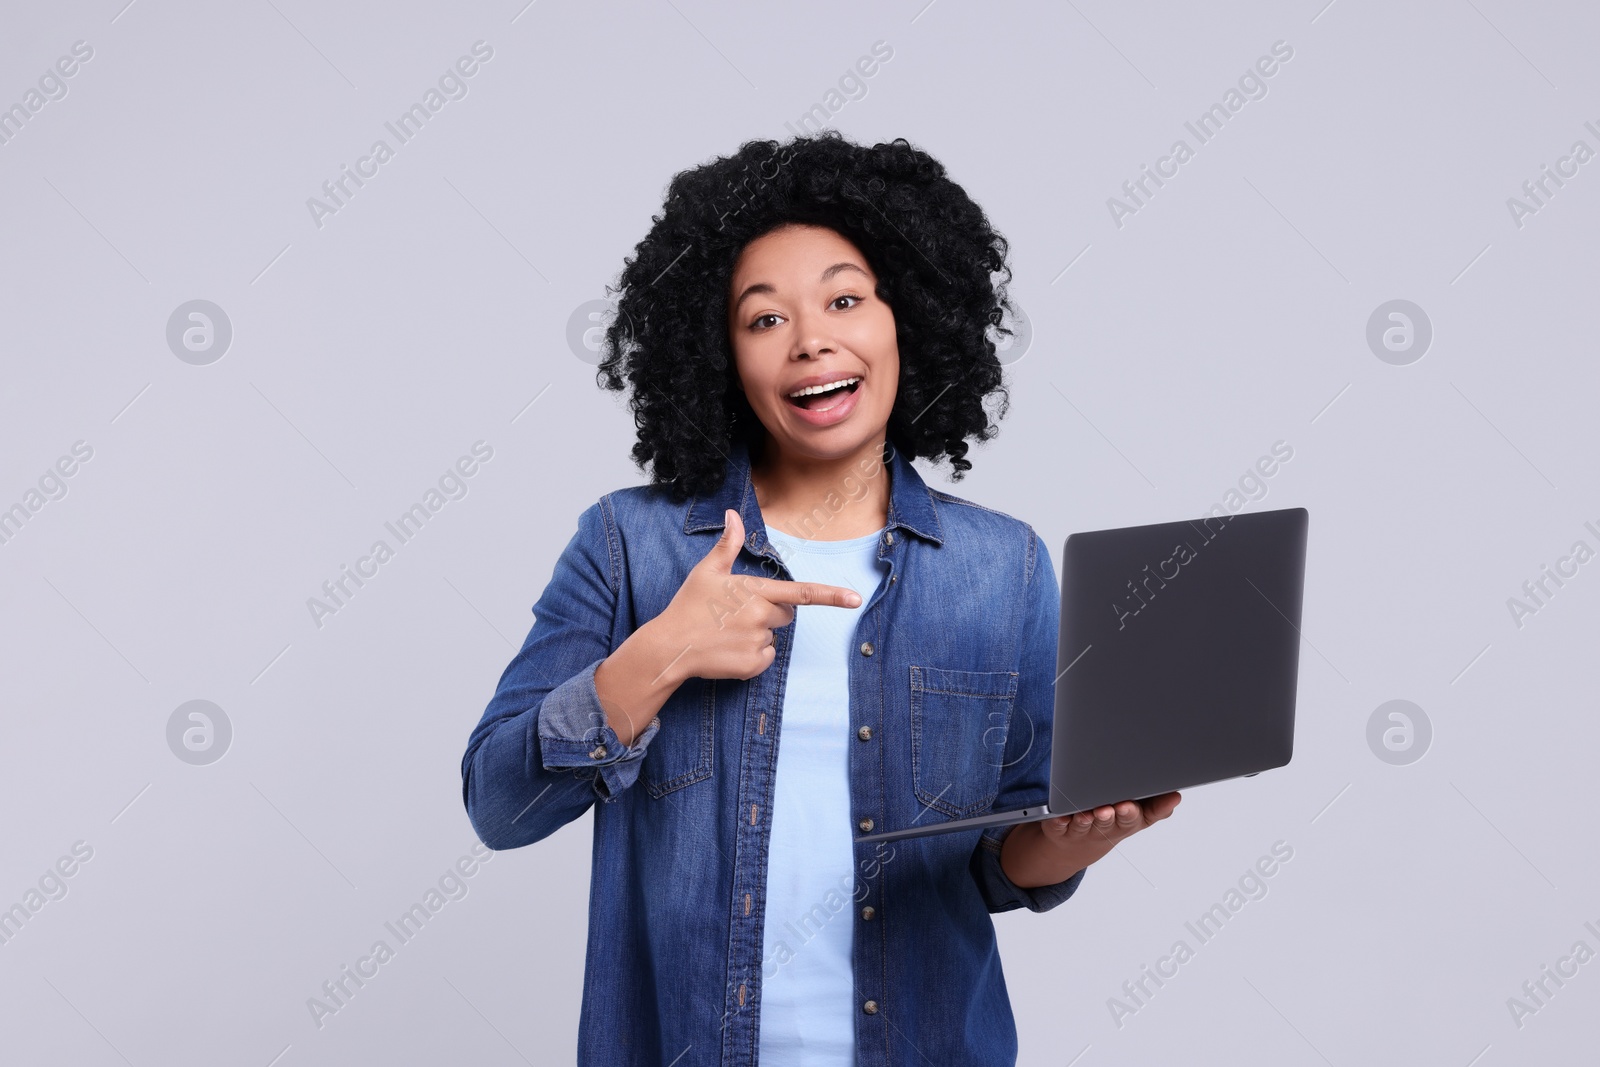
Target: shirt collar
911 503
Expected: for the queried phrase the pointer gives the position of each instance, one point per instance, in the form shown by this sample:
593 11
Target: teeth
824 388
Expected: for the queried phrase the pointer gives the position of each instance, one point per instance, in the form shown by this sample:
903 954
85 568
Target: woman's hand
1053 850
723 622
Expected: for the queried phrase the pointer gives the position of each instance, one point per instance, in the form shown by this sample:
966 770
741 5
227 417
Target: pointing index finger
780 592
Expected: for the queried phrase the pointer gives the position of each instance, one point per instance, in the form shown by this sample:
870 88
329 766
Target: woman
802 321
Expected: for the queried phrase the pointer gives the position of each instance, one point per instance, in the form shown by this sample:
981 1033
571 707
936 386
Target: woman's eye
759 322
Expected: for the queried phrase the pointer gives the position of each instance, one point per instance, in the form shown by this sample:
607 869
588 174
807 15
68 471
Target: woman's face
802 309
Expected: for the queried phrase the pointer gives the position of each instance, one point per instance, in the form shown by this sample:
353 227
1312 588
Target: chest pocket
680 753
959 721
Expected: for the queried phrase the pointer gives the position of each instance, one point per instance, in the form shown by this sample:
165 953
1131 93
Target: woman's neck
822 500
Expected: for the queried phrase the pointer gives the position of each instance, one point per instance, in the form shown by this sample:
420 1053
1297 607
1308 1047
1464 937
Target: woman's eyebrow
837 267
763 287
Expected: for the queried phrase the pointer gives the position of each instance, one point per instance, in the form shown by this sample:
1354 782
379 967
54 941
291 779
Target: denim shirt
951 684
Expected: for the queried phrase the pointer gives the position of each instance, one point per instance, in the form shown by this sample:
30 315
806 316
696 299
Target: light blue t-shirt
808 995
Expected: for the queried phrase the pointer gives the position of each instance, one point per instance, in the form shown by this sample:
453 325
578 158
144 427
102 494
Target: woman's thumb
732 537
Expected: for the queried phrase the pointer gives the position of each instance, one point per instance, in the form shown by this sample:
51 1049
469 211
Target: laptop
1177 664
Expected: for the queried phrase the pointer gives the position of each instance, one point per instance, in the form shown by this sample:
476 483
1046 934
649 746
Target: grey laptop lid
1177 662
1179 653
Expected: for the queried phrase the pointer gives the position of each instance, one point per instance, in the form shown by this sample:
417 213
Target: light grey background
1230 312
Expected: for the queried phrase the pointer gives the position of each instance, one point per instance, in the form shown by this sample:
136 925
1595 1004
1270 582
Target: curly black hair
941 268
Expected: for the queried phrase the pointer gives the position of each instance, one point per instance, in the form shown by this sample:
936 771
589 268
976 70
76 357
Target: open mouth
826 399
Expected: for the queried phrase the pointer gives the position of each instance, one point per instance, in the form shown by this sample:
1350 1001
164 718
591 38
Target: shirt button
865 733
893 578
866 826
866 648
599 752
870 1007
888 538
867 913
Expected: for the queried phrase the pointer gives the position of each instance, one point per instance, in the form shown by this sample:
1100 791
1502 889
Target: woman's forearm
1029 860
635 681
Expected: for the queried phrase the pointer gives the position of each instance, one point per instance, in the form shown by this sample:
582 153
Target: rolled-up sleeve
573 733
1025 778
543 752
1001 893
